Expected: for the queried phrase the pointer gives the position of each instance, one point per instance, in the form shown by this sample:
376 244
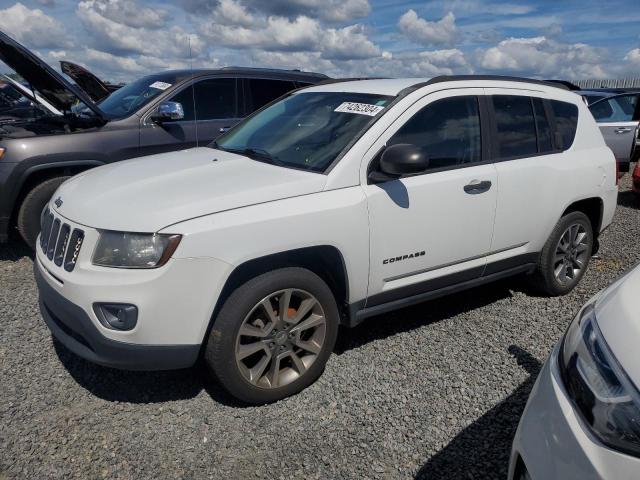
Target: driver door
169 136
432 230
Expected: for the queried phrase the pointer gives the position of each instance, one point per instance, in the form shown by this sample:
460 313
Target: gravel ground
433 391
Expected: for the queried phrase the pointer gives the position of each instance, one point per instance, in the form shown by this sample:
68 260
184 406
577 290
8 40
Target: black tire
29 213
220 352
544 277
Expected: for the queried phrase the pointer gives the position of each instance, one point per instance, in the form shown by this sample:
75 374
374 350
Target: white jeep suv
333 204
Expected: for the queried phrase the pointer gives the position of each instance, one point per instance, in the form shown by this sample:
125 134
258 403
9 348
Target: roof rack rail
266 69
350 79
457 78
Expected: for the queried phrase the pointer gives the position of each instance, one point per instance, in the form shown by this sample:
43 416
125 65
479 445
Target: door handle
477 186
223 129
622 130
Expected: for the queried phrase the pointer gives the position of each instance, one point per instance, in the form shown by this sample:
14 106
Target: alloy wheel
571 254
280 338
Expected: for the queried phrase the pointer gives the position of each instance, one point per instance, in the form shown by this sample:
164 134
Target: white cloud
424 32
545 57
128 12
115 37
33 27
633 57
235 27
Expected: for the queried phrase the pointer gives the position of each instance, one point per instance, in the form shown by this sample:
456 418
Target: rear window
566 119
515 125
261 91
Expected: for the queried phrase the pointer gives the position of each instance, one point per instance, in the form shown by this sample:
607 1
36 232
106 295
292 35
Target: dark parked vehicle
159 113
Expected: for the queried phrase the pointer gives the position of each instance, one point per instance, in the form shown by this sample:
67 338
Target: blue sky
124 39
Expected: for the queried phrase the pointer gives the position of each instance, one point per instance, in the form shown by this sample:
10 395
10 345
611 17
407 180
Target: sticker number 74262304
359 108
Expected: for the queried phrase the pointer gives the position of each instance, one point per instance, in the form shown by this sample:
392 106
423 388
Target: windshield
305 130
126 100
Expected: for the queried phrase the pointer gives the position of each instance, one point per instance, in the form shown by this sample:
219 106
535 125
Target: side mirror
400 160
168 112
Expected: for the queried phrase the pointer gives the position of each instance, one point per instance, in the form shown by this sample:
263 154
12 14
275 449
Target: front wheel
273 336
31 208
565 256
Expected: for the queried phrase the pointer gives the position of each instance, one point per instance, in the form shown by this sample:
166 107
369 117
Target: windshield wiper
258 154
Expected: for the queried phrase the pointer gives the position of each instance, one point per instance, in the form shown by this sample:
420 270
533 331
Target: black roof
250 72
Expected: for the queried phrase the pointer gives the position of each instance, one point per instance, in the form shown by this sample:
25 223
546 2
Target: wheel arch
326 261
37 174
593 208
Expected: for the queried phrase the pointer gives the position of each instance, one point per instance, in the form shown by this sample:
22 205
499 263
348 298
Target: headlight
600 389
134 250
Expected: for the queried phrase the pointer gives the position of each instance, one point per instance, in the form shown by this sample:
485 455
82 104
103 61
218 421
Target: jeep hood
49 83
92 85
150 193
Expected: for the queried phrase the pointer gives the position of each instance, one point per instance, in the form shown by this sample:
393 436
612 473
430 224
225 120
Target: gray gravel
433 391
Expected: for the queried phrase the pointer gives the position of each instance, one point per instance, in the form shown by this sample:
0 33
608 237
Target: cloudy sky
123 39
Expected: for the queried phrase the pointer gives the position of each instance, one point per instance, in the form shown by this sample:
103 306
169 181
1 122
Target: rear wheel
29 213
273 335
565 256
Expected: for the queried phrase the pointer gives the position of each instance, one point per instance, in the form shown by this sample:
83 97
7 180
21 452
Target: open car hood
92 85
49 83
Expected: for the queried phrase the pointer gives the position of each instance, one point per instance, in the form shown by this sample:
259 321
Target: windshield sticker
160 85
359 108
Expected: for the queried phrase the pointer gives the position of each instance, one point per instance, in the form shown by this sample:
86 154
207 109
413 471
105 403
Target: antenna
193 94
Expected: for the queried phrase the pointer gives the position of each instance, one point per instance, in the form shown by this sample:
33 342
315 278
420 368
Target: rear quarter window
566 122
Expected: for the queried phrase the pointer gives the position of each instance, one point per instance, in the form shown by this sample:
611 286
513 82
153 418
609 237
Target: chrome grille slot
53 238
46 231
61 247
75 242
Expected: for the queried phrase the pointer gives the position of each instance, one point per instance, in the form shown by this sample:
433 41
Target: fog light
116 316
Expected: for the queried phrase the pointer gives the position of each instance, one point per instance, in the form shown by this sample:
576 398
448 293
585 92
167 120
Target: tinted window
447 130
545 144
616 109
185 98
262 91
515 124
566 118
215 98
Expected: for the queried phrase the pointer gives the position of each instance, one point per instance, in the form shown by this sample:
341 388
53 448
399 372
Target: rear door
617 119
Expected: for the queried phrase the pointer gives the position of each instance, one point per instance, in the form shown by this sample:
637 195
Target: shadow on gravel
628 199
14 251
141 387
433 311
482 450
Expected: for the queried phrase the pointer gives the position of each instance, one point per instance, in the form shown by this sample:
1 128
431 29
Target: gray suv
159 113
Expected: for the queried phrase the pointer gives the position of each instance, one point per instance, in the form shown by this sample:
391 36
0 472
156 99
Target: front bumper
553 442
71 325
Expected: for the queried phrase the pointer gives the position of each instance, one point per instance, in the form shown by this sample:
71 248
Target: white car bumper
174 306
552 441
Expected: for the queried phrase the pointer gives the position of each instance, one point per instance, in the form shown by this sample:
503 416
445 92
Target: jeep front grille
58 242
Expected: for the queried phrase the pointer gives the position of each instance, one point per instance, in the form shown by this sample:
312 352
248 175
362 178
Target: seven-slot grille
58 242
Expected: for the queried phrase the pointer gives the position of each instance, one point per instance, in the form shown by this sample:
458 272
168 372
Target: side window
566 118
185 97
545 142
447 130
262 91
615 109
515 125
216 98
